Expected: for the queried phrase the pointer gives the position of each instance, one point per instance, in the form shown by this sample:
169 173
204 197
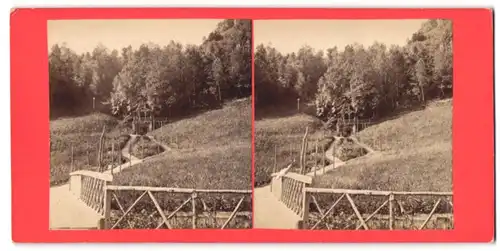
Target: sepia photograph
150 124
353 124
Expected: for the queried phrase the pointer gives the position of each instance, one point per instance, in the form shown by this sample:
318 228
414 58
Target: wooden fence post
112 157
275 158
305 206
315 157
193 204
333 154
107 207
72 160
100 149
120 159
142 147
88 158
303 151
323 156
391 213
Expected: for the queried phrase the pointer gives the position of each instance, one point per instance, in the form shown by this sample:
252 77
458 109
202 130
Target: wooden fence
95 190
289 188
90 187
190 203
360 217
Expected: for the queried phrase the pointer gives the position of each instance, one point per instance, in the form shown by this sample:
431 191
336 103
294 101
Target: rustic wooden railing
190 203
90 187
391 204
289 188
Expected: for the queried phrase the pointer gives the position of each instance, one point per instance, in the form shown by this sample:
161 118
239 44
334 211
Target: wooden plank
374 192
129 209
175 211
176 190
391 211
356 211
373 214
160 211
233 213
299 177
305 207
107 208
328 211
193 205
430 214
320 210
119 205
97 175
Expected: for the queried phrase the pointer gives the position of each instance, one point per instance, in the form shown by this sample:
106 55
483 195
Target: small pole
334 154
130 154
298 104
112 156
72 159
88 158
158 148
142 147
323 156
316 157
93 103
275 158
193 204
391 214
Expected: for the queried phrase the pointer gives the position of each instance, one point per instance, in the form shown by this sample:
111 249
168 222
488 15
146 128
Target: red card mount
473 132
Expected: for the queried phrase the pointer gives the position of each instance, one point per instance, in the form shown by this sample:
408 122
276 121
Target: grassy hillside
415 154
210 151
81 133
284 133
214 128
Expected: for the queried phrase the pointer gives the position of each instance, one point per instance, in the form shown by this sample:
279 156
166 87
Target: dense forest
171 80
359 82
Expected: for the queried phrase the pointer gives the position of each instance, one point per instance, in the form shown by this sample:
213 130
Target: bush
145 147
346 149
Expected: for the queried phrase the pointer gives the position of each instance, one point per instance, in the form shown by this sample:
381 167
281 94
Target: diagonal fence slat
370 208
206 219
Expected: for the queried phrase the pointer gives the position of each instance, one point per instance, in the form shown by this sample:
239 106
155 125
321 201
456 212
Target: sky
289 35
84 35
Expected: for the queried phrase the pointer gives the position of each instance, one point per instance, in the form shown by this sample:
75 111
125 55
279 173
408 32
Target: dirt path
126 153
67 211
330 156
270 213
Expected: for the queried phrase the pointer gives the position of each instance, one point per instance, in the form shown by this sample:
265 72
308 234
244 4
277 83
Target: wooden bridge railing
289 188
391 203
90 187
190 203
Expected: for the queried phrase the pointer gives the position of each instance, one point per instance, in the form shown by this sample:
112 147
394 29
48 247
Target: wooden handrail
373 192
295 176
97 175
174 189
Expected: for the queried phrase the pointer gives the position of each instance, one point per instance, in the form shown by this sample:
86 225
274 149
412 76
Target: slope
209 151
414 154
